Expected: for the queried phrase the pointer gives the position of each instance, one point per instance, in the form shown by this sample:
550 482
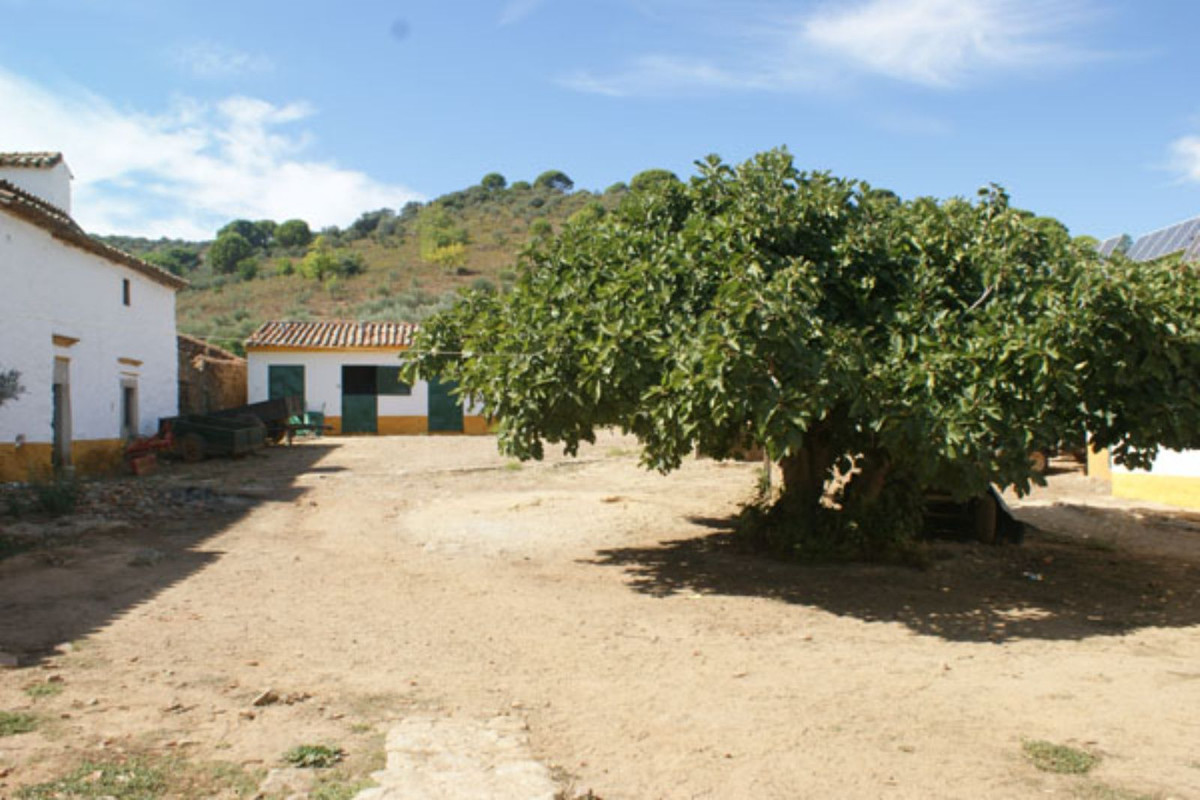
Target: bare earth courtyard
602 612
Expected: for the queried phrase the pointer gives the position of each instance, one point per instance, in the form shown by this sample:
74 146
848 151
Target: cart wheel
1038 461
190 447
983 514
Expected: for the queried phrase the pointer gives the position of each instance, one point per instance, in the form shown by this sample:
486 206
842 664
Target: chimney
44 175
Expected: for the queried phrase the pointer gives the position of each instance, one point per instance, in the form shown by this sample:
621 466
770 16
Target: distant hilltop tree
493 181
293 233
555 180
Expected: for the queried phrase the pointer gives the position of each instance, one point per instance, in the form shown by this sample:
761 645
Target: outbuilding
349 372
90 329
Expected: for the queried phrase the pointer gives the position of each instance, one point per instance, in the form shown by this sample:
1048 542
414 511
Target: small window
125 290
387 381
129 409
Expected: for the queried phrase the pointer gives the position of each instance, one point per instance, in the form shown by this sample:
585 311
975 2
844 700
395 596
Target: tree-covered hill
389 264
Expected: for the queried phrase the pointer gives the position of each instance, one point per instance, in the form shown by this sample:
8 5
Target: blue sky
176 116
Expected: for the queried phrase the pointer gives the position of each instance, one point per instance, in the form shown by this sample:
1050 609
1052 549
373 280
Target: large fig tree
910 345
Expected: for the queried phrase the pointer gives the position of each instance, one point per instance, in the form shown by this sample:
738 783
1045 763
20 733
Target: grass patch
41 690
1059 758
339 787
314 756
1101 791
513 466
12 723
134 779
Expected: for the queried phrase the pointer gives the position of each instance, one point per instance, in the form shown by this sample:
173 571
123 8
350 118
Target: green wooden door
285 380
445 411
360 413
360 408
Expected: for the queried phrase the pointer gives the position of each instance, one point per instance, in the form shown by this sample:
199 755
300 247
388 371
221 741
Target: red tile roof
333 335
59 224
35 160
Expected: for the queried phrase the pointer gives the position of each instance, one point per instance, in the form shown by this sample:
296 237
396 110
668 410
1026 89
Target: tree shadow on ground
1053 587
133 539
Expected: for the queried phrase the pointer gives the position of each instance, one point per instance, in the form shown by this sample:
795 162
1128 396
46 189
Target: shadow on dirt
1053 587
131 540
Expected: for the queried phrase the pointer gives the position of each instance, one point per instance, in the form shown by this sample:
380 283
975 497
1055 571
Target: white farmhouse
349 373
91 330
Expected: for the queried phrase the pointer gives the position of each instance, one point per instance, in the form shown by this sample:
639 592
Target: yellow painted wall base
415 426
1169 489
403 426
1098 465
477 426
33 461
27 462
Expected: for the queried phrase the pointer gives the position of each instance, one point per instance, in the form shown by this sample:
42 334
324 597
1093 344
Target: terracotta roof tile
37 211
333 335
35 160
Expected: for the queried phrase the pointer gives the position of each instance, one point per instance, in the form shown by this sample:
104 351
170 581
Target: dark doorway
360 407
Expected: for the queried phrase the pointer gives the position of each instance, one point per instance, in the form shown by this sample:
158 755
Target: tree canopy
554 179
911 344
293 233
229 250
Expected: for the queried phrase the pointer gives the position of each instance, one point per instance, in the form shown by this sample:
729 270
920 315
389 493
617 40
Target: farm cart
275 415
198 436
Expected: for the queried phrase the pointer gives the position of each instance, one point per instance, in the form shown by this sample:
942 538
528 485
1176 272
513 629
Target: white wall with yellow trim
62 303
399 414
1174 478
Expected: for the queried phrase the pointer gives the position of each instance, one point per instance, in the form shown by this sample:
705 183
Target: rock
9 659
266 698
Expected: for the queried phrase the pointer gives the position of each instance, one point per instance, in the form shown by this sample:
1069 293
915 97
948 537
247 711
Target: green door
285 380
359 413
360 408
445 411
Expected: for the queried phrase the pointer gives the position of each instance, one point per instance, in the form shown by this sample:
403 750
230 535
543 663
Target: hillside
388 265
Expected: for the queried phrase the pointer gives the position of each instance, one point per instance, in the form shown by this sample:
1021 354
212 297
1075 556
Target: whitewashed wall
51 288
1170 463
323 380
52 185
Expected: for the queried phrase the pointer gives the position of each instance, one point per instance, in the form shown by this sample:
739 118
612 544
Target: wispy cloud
186 171
213 60
938 43
516 10
945 42
1185 158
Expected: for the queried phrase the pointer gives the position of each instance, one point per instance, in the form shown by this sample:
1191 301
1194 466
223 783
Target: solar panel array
1117 244
1183 237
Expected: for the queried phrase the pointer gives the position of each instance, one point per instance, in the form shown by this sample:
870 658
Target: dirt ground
365 581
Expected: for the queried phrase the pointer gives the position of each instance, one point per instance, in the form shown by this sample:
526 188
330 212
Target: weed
1059 758
1101 791
134 779
513 466
41 690
58 496
361 727
315 756
339 788
12 723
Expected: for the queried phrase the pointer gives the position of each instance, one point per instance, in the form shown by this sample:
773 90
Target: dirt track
369 580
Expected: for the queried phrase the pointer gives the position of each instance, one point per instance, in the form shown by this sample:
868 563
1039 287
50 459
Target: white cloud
1185 158
517 10
188 170
940 43
943 42
658 74
213 60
